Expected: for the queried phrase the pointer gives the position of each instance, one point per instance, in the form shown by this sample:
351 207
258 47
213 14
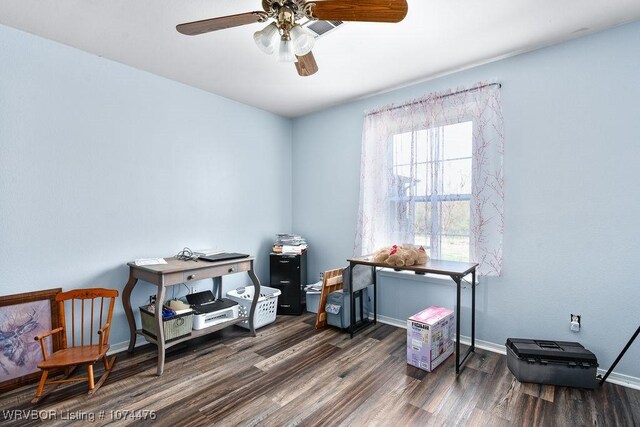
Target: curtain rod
437 97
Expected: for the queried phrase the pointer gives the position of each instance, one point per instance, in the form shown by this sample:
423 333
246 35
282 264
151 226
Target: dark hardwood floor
291 374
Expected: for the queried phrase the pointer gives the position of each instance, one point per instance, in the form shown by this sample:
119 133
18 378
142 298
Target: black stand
624 350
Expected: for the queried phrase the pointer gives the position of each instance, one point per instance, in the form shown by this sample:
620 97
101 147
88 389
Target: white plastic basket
265 309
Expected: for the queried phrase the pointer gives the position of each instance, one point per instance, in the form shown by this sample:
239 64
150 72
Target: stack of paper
150 261
289 244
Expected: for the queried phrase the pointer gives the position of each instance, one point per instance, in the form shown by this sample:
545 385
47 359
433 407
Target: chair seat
74 356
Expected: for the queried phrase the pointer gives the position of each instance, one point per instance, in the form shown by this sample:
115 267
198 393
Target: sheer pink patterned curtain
431 174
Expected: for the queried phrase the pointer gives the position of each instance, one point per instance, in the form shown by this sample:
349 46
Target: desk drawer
217 271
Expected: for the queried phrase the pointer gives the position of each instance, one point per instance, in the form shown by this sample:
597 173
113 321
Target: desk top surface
433 266
175 265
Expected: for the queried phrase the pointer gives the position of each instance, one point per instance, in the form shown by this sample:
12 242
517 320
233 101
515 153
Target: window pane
422 147
422 224
422 180
403 181
400 214
456 176
458 139
424 241
422 219
402 149
455 218
455 248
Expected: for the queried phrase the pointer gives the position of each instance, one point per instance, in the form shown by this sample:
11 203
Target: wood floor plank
355 394
294 350
480 418
329 386
346 364
300 410
482 360
434 388
533 411
245 394
542 391
463 395
500 399
406 414
291 374
380 408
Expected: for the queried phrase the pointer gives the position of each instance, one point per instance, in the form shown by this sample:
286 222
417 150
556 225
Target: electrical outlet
575 322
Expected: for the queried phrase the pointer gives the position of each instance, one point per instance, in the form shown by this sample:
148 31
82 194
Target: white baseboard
621 379
614 378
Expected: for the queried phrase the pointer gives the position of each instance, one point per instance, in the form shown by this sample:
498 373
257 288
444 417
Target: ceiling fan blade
306 65
358 10
214 24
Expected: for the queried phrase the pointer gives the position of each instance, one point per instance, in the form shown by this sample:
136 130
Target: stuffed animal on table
400 256
381 255
422 256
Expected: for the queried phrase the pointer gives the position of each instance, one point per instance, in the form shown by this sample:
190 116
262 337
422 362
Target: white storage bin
313 292
313 301
265 309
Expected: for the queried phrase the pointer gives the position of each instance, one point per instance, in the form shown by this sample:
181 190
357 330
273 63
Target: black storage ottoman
551 362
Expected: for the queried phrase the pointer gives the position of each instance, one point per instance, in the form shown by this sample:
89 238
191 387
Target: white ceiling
357 59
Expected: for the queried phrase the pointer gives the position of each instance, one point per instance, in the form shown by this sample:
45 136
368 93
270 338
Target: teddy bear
422 256
400 256
409 254
381 255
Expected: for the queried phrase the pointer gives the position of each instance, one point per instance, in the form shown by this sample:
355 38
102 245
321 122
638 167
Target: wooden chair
80 351
331 281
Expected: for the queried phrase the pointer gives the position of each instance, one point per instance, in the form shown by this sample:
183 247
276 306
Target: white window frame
435 228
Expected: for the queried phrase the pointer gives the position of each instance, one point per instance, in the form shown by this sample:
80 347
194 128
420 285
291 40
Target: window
433 169
431 174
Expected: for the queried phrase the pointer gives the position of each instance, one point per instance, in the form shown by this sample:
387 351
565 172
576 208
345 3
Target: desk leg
375 294
458 311
472 347
160 329
352 303
254 303
473 310
126 302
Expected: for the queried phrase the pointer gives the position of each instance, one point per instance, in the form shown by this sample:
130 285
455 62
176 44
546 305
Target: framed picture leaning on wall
22 317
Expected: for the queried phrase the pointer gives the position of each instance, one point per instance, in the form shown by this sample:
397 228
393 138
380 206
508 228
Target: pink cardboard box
430 337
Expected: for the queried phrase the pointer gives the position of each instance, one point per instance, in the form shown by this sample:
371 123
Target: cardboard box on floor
430 337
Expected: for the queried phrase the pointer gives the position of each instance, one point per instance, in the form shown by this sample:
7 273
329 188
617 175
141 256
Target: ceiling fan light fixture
285 53
302 40
296 41
267 38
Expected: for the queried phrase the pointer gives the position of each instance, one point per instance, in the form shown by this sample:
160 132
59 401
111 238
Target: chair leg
108 365
90 377
54 385
43 381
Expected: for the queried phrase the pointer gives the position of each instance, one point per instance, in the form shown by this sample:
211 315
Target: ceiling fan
295 42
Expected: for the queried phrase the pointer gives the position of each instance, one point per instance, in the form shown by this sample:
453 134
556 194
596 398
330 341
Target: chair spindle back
83 302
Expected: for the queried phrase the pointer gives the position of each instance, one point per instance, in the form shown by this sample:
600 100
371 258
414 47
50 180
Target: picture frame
23 317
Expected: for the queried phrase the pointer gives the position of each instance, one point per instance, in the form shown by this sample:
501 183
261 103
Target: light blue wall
101 164
572 231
